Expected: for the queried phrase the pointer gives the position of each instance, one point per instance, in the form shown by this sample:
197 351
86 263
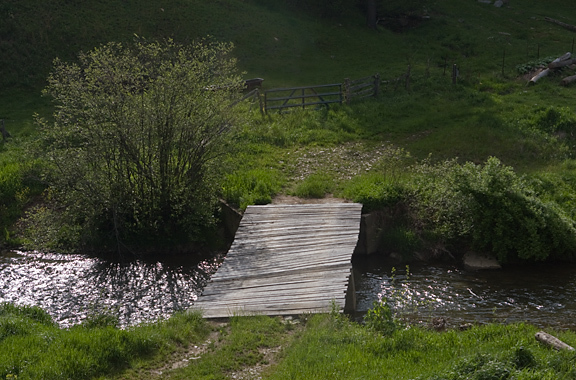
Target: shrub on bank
494 209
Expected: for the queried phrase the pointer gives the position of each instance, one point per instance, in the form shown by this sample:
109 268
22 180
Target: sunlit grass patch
344 350
316 185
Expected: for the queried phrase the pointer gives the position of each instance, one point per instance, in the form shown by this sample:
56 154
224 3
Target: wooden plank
304 279
283 262
286 259
248 273
264 276
272 295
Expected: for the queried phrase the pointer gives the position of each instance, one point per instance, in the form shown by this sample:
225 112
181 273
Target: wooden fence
361 88
303 97
316 96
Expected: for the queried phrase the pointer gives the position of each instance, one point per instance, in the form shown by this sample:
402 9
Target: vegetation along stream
71 287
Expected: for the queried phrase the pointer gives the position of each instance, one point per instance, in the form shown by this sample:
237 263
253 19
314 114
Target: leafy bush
19 181
552 120
495 209
530 66
135 141
380 318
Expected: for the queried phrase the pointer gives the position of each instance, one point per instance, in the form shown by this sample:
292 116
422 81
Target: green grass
316 185
482 116
342 350
33 347
310 347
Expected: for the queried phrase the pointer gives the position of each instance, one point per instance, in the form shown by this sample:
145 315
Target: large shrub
494 209
134 139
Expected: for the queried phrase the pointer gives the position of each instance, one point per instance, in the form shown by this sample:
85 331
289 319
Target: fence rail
319 95
303 97
362 88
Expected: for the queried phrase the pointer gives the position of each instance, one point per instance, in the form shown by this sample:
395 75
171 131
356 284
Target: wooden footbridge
287 260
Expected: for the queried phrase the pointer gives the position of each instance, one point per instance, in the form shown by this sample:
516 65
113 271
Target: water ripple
543 295
70 287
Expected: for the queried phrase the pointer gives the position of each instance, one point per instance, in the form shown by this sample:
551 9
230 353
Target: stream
543 295
71 287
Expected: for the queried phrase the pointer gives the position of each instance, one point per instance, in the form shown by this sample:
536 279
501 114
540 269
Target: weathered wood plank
272 295
283 270
286 259
275 279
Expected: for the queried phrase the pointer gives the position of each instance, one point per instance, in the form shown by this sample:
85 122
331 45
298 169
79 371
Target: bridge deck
286 260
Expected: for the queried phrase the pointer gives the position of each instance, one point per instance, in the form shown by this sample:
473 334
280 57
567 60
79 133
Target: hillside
280 43
489 112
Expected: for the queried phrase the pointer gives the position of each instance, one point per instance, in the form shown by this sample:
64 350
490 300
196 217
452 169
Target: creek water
71 287
543 295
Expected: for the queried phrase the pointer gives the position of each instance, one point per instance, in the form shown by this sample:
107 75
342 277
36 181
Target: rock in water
476 261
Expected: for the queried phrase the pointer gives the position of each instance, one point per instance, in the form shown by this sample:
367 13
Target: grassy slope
289 48
286 47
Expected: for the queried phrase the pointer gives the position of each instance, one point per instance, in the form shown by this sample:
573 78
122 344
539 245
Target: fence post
347 90
376 84
303 99
454 73
265 102
260 103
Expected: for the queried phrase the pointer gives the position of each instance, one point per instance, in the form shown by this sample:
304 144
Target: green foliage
494 208
19 182
249 187
301 127
528 67
348 350
240 345
380 318
316 185
135 139
374 190
552 120
524 358
396 7
522 365
401 238
100 320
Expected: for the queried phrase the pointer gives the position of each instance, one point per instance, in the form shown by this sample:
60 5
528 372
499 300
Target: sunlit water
70 287
543 295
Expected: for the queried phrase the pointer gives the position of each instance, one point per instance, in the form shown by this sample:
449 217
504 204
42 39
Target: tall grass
33 347
338 349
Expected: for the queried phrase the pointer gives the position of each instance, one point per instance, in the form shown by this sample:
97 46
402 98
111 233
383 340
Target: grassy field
308 347
490 112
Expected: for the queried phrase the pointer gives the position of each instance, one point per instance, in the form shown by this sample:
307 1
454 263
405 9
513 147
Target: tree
134 141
